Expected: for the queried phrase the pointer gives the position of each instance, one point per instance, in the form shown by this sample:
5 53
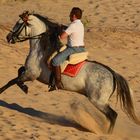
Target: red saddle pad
72 70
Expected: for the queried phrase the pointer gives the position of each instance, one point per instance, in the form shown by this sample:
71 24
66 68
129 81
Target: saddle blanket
72 70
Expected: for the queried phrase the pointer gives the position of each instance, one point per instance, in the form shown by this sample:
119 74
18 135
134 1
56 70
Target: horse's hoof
25 89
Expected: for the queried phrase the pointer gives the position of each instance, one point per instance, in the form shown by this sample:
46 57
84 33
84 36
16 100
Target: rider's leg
56 61
57 74
59 59
62 56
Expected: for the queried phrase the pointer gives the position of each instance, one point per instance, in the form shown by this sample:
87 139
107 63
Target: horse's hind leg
89 116
111 115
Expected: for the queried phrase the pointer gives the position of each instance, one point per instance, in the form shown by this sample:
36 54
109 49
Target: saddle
70 67
72 60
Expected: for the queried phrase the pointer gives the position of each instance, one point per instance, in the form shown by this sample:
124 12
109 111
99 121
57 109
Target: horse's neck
40 51
35 55
48 42
36 61
37 26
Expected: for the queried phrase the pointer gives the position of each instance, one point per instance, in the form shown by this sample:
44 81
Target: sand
112 37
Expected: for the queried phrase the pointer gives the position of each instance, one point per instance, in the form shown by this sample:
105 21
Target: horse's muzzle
10 38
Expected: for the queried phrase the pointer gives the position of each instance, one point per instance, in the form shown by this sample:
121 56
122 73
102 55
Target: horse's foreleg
12 82
9 84
17 81
22 86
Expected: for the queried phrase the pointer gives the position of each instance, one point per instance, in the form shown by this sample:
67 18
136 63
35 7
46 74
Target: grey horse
95 80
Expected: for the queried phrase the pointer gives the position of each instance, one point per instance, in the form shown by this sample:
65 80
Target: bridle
15 34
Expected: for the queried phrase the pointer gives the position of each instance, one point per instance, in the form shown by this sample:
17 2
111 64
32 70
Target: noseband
15 34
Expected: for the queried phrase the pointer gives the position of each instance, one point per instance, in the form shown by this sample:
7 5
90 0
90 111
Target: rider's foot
59 84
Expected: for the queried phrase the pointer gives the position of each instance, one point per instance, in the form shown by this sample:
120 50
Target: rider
75 43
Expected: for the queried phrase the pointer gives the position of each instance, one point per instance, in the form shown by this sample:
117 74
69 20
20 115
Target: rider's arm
67 32
63 36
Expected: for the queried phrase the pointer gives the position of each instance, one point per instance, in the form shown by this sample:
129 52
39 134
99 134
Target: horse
96 81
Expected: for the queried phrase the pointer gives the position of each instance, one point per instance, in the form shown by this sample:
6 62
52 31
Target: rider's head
76 13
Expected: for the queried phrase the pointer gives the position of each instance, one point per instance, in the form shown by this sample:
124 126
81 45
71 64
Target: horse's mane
55 29
49 22
54 26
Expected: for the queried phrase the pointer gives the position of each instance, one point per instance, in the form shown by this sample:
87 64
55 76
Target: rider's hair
77 12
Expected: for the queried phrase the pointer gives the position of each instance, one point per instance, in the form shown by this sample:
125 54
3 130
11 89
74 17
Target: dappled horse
94 80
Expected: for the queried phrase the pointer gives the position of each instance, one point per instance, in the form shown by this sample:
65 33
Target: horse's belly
76 84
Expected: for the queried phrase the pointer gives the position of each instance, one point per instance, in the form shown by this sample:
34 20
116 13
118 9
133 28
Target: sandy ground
112 37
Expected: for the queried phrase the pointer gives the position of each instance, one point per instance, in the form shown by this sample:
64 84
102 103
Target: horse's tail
125 95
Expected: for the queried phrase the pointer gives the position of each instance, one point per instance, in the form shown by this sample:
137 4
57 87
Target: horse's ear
24 16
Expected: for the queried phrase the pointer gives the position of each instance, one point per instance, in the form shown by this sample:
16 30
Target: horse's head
27 27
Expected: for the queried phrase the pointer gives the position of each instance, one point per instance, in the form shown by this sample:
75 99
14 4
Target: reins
32 37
